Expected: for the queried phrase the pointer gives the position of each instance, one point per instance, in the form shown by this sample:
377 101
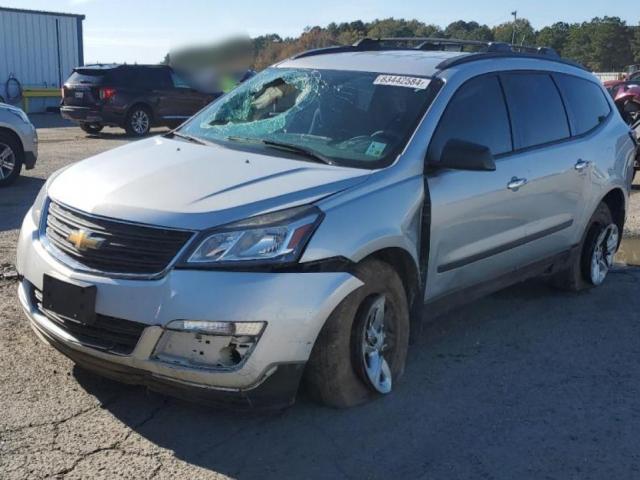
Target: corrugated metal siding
29 50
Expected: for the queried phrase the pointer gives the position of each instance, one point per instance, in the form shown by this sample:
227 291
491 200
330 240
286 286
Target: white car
18 143
304 222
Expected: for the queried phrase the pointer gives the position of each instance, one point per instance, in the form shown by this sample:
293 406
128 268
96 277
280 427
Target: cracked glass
343 117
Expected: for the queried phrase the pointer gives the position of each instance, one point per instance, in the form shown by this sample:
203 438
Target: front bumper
294 306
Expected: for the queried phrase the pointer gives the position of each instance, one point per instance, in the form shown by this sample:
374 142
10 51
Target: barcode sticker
402 81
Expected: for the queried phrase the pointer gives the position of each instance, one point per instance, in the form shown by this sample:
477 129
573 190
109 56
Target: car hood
160 181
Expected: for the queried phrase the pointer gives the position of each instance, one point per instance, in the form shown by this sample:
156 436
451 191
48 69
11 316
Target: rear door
82 88
478 224
553 171
158 88
187 100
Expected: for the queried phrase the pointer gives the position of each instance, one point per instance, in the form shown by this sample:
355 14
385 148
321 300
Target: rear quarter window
537 112
586 103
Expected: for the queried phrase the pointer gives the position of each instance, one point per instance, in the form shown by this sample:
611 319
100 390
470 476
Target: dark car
134 97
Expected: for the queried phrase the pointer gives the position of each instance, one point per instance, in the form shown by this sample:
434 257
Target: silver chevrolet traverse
301 226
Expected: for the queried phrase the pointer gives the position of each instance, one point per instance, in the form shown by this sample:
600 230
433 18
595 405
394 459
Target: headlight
20 114
276 237
38 205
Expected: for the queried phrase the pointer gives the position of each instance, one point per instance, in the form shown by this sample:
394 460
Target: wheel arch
14 136
146 105
403 263
616 201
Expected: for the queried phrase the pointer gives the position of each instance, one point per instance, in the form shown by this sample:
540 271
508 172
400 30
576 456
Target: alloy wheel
603 253
140 122
7 161
374 345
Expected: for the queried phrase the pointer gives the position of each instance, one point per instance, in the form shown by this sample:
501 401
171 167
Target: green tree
524 32
555 36
635 44
391 27
603 44
468 31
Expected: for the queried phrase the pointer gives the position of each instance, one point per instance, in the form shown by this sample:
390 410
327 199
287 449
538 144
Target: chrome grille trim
58 219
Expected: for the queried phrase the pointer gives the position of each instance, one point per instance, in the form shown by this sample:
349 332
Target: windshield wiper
310 154
188 138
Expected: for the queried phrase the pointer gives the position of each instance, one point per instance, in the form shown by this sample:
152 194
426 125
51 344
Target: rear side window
586 103
142 77
157 77
477 113
537 112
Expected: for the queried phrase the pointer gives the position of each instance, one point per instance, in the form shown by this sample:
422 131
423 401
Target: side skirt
449 301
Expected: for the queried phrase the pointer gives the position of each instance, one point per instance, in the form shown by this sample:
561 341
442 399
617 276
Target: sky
144 30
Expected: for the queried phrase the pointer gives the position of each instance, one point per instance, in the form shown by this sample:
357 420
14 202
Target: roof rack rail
439 44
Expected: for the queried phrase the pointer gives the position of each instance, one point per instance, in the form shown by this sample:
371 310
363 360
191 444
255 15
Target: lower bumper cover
277 390
89 115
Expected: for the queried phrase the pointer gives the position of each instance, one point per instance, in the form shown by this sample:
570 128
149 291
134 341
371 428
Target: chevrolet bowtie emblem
83 240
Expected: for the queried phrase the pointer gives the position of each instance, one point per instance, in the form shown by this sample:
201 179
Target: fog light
218 328
203 344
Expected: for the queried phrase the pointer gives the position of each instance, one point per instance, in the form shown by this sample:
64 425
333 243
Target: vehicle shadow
490 387
16 200
49 120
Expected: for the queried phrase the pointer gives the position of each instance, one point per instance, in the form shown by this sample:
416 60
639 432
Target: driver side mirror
463 155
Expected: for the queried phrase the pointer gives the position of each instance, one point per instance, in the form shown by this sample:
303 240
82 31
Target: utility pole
515 19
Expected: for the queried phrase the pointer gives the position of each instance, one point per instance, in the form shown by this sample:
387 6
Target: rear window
586 103
477 114
537 112
87 77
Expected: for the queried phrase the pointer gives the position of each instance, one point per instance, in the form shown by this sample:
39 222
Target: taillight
107 93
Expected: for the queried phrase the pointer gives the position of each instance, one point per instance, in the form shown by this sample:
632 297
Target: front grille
126 249
112 334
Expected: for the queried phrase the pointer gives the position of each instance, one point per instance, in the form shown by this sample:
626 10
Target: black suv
134 97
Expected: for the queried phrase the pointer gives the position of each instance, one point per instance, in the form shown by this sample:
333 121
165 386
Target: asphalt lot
527 383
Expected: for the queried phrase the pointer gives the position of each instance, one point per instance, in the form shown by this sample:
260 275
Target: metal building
38 51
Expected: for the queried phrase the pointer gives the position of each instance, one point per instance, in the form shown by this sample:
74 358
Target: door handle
515 183
581 165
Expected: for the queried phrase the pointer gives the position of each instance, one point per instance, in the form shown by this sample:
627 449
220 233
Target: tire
599 245
336 373
91 128
11 159
138 122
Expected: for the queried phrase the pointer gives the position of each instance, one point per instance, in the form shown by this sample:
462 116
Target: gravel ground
527 383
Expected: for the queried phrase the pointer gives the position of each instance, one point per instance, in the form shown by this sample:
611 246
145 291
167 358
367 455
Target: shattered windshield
359 119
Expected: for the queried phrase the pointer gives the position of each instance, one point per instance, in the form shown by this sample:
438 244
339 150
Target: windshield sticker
375 149
402 81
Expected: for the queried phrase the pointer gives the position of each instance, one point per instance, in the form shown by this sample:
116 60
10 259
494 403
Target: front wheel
138 122
597 251
11 158
361 351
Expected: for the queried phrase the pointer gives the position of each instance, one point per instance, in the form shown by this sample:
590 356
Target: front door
478 218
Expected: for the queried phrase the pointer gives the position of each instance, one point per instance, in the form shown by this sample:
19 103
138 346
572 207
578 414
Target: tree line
602 44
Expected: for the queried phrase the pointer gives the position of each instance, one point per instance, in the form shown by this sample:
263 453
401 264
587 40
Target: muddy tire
361 351
598 247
